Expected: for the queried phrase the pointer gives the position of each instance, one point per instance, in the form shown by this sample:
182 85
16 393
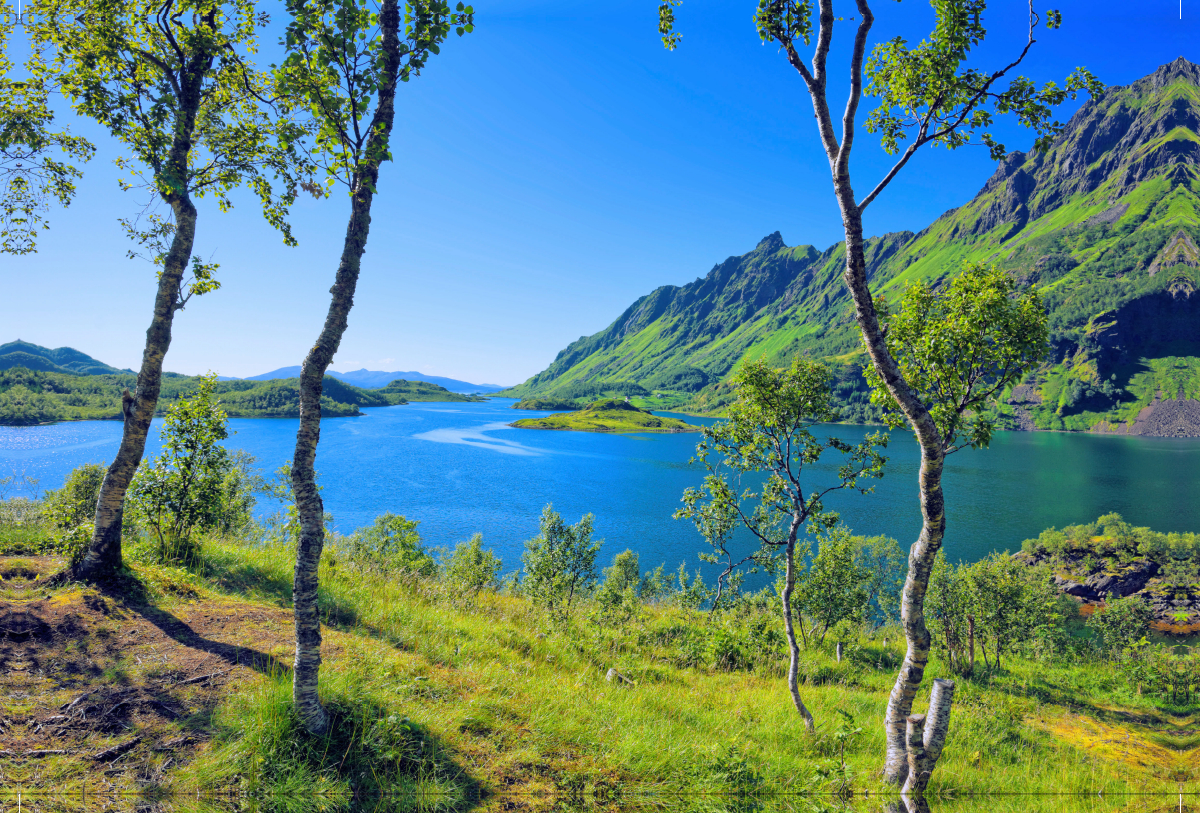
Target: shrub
390 544
70 511
472 568
1120 624
183 490
560 562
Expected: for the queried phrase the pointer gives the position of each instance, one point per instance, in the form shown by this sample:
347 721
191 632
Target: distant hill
1106 223
37 396
61 360
375 379
420 391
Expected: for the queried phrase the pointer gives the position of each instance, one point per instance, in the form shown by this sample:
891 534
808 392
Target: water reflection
477 437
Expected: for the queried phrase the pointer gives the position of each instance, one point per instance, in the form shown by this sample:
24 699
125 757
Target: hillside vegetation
61 360
445 683
32 397
1107 223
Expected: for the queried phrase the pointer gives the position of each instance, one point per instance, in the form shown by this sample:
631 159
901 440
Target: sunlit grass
504 700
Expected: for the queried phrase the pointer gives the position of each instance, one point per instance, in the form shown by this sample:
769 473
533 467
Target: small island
549 404
403 392
608 415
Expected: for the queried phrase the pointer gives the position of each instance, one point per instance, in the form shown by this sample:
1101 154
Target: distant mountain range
1106 224
375 379
72 362
62 360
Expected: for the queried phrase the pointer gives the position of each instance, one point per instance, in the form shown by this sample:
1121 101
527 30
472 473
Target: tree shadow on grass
259 582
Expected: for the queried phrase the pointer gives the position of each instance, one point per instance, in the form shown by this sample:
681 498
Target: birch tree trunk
103 557
790 630
308 499
924 550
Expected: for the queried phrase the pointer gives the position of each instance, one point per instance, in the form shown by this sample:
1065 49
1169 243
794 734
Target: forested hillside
1105 222
32 396
61 360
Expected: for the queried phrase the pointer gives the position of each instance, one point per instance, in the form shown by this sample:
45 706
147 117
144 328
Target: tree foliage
335 66
37 159
137 63
769 431
560 562
959 347
182 490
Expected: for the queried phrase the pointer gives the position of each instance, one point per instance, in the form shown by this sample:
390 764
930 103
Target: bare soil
101 688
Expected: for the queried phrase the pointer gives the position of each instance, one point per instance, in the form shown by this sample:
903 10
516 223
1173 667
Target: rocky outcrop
1130 133
1093 580
1170 418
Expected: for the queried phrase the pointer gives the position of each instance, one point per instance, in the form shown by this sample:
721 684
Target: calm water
459 469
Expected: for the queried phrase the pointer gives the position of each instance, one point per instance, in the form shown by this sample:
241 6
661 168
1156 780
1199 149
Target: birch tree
37 160
927 96
344 62
769 431
172 82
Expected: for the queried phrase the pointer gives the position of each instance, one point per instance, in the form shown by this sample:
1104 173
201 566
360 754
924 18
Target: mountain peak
1179 69
772 242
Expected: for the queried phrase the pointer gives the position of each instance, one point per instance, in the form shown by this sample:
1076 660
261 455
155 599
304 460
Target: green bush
560 563
69 512
195 484
390 544
1119 625
471 568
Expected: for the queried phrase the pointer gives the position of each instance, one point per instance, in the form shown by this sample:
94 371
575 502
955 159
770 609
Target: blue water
459 469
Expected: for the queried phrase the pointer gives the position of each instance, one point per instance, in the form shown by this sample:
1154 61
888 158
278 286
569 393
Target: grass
524 704
449 697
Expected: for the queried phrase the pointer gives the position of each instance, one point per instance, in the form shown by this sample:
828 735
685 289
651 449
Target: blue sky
550 168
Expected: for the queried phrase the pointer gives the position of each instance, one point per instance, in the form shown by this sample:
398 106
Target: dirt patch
102 690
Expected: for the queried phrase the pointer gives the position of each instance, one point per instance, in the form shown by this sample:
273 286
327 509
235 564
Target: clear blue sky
550 168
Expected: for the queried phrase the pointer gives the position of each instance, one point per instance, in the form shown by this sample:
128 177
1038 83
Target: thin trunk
924 550
951 642
790 630
926 735
103 557
971 642
308 499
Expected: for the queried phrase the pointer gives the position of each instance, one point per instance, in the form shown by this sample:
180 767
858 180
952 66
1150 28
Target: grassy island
407 391
608 415
546 403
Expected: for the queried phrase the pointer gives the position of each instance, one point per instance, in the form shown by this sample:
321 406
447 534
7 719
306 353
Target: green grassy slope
1106 223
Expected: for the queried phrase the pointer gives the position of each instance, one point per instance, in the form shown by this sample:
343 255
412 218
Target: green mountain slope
62 360
1106 222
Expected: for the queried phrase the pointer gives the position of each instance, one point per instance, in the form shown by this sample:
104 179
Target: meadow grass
450 696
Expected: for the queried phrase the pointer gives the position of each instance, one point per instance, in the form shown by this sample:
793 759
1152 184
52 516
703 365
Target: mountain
62 360
1106 223
374 379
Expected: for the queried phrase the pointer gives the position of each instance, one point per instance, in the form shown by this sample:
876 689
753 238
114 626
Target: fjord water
458 468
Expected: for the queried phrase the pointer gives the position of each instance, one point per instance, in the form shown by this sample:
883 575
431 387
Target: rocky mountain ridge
1106 223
